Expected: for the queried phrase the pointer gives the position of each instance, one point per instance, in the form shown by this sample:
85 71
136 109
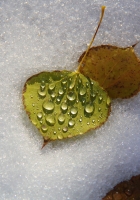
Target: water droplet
42 93
50 120
88 123
53 95
39 115
71 86
54 132
33 105
43 82
58 99
42 87
99 109
71 123
31 96
92 83
64 107
83 101
44 128
108 101
64 82
74 111
82 91
93 95
71 96
51 86
34 122
61 118
80 120
48 106
89 108
61 91
60 137
100 99
65 129
87 84
93 121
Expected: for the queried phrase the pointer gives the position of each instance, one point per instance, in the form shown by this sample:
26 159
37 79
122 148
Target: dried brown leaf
116 69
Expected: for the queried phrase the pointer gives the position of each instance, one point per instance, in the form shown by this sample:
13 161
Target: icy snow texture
38 35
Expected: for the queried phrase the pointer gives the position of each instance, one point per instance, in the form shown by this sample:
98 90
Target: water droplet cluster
65 104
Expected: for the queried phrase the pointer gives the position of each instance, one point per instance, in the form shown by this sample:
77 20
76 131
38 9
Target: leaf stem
101 17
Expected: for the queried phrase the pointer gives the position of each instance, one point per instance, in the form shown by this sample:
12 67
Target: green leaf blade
65 104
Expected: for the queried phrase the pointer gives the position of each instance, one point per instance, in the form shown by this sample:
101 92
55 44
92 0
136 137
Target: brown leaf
126 190
116 69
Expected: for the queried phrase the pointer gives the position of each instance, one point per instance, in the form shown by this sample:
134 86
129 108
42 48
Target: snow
38 35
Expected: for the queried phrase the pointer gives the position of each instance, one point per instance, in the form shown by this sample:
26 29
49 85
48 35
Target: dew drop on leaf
44 128
61 118
51 86
71 96
61 91
41 93
64 107
89 108
60 137
71 123
48 106
39 116
82 91
65 129
53 95
74 111
50 120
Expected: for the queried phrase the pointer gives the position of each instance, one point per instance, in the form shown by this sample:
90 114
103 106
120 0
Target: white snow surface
39 35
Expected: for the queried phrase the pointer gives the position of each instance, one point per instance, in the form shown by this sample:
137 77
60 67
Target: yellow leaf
116 69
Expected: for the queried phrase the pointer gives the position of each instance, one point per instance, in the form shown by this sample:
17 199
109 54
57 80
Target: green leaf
64 104
116 69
